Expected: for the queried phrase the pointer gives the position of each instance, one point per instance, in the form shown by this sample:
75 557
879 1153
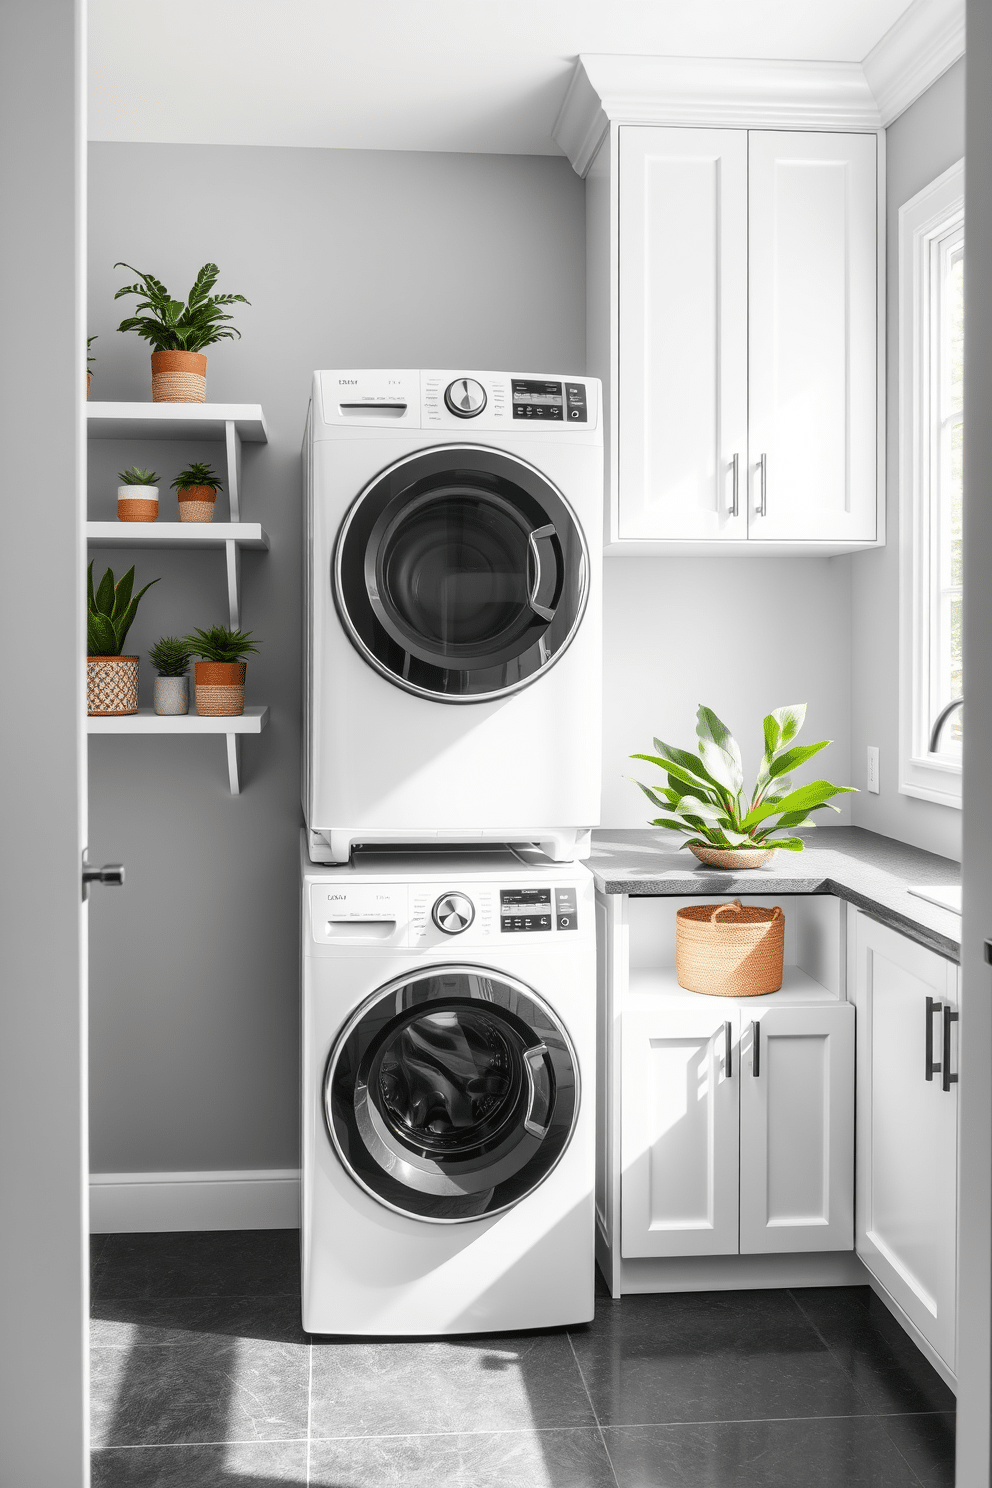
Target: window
931 434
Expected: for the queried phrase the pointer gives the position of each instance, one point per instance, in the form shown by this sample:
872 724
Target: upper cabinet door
683 333
812 336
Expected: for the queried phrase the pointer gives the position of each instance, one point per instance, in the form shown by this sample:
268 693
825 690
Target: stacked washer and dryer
451 779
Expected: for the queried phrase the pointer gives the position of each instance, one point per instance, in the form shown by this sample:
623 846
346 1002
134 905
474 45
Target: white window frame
924 221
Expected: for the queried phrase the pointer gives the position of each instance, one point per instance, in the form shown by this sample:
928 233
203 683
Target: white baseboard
127 1203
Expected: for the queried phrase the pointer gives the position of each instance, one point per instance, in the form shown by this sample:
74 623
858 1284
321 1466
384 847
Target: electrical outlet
873 769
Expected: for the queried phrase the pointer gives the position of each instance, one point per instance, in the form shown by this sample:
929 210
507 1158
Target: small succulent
135 476
197 474
174 325
90 356
170 656
221 644
110 611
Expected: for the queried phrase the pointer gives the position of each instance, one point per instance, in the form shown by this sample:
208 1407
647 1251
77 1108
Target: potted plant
197 487
704 797
170 658
111 679
179 331
137 495
220 672
89 358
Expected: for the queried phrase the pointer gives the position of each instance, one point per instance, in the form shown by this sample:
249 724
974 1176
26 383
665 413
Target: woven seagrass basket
729 950
220 688
179 377
112 685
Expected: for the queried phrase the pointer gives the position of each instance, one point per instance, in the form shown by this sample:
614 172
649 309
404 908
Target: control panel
455 399
555 402
431 914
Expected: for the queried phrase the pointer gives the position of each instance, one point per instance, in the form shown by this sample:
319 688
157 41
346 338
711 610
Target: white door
812 335
683 333
679 1131
907 1127
797 1129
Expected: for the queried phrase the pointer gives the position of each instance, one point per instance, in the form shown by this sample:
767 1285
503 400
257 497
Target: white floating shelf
176 535
176 421
145 721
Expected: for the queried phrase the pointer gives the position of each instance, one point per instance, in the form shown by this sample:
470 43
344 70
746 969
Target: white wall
350 259
740 635
921 144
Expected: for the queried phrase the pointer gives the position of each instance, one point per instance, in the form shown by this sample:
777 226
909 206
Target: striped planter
179 377
196 503
112 685
220 688
137 503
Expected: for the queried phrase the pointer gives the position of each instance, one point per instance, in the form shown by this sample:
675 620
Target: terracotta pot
112 685
734 857
220 688
179 377
89 384
137 503
171 696
196 503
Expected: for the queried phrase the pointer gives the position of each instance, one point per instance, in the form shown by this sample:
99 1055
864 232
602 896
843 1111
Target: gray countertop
867 870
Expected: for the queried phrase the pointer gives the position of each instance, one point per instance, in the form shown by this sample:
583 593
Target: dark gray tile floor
202 1375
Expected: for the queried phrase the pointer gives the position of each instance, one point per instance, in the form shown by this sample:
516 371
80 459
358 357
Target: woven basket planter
137 503
733 857
220 688
196 503
729 950
112 685
179 377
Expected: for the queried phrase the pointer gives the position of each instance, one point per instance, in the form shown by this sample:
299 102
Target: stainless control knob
453 913
465 397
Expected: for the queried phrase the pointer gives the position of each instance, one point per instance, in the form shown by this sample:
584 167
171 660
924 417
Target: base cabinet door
797 1130
679 1132
907 1127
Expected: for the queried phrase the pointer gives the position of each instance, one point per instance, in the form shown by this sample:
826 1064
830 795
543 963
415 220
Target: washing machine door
460 573
452 1094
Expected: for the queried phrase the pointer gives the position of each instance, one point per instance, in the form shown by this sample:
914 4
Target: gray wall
350 259
921 144
43 1202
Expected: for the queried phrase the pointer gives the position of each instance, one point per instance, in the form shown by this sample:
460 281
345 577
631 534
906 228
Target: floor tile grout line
830 1350
899 1452
595 1412
309 1410
774 1420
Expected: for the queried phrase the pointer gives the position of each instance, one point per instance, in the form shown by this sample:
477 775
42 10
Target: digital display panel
538 400
524 909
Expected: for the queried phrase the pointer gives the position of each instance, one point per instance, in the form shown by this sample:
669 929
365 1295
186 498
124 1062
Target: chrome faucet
940 720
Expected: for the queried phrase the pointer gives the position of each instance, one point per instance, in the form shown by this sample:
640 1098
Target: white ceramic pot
137 503
171 696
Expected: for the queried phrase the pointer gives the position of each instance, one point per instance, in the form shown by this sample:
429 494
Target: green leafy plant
110 611
221 644
705 798
135 476
170 656
178 325
197 474
90 356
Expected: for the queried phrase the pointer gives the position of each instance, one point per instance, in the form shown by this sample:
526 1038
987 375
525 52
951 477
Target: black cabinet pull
950 1016
755 1048
728 1048
932 1007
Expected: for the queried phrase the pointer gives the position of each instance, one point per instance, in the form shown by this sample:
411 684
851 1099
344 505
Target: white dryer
448 1093
453 609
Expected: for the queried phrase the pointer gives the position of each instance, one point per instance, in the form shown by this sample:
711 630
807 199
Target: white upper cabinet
734 320
683 333
812 336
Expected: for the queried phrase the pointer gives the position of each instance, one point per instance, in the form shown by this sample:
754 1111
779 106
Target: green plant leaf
773 734
90 600
104 604
673 770
673 826
687 761
101 638
791 759
719 751
122 594
790 844
806 798
790 720
653 796
123 624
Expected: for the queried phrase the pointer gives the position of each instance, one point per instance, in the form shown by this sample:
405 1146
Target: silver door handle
111 874
755 1048
949 1079
539 609
762 505
735 466
931 1068
535 1055
728 1048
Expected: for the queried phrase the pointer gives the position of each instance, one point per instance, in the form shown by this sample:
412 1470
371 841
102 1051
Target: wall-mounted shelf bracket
251 721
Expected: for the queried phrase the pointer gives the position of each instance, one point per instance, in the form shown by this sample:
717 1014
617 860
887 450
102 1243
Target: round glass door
450 1096
460 573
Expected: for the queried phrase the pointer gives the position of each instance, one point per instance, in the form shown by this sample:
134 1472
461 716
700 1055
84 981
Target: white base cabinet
907 1002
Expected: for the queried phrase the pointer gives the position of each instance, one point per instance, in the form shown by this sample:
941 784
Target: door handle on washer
532 600
535 1056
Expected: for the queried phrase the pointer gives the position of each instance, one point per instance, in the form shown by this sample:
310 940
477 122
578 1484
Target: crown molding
708 91
927 39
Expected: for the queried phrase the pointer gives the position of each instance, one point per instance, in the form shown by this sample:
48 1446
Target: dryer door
460 573
451 1095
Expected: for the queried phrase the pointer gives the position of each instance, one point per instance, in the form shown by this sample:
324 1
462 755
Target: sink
948 896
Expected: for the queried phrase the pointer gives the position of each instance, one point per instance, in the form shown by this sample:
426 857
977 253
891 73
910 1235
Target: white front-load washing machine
448 1093
453 609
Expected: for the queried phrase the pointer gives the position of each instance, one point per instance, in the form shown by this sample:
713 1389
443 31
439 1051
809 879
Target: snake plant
110 611
704 796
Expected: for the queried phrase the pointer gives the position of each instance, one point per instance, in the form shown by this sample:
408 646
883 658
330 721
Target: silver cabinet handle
762 504
532 537
931 1068
755 1048
728 1048
950 1016
735 505
111 875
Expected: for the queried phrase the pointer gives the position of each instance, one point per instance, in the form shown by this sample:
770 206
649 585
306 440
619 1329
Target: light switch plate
873 769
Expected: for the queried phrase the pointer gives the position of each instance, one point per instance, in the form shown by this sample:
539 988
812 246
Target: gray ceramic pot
171 695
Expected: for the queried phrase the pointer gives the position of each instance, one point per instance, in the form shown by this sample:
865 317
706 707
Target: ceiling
413 74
